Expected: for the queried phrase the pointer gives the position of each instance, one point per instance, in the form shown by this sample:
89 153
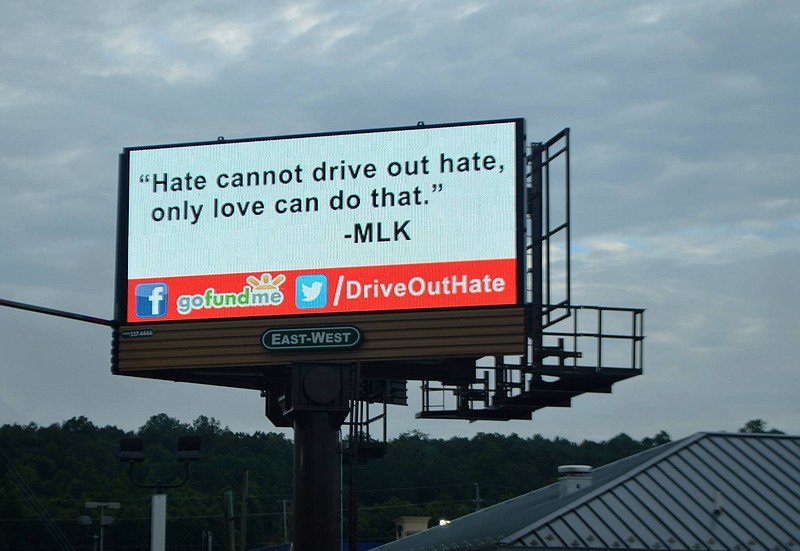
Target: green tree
758 426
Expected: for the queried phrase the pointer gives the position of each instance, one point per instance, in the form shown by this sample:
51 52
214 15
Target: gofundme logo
263 291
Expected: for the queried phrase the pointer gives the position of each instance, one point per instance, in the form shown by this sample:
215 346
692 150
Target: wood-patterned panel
386 336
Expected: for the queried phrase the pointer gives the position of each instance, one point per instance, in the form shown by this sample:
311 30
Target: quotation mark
144 178
437 187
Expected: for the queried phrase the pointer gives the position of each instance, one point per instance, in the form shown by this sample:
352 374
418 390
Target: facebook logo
151 300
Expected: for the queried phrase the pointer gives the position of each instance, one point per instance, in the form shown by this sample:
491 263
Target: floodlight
189 448
131 450
101 504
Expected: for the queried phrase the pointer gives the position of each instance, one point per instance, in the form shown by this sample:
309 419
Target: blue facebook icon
151 300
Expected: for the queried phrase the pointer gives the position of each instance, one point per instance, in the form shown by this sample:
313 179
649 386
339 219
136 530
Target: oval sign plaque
310 338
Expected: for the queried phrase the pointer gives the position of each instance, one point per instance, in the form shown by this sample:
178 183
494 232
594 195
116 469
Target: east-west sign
311 338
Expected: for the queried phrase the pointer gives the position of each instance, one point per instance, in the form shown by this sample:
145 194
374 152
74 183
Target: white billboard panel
394 219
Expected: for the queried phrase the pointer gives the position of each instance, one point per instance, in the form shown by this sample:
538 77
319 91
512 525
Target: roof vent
572 478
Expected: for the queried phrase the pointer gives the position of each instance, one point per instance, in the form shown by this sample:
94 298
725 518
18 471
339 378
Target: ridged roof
707 492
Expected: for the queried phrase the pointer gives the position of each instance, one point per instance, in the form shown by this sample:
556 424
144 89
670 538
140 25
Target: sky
685 140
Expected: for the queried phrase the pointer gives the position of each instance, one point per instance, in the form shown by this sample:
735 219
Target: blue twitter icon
311 291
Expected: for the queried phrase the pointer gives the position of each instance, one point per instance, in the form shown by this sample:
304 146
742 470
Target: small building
706 492
408 526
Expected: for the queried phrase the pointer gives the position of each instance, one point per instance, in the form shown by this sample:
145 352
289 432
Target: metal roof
707 492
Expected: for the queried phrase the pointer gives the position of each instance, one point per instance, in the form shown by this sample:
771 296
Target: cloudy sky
685 127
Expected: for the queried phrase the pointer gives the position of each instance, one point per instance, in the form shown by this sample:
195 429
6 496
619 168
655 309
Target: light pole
104 520
131 450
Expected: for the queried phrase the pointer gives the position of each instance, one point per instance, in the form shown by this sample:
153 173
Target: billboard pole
319 397
317 481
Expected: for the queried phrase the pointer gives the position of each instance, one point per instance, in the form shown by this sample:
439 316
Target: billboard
401 219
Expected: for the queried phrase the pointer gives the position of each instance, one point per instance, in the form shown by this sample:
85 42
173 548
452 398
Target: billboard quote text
191 198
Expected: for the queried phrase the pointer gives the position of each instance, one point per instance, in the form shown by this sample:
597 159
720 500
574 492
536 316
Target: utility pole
285 530
243 523
104 520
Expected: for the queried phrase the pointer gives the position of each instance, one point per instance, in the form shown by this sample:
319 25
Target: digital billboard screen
422 217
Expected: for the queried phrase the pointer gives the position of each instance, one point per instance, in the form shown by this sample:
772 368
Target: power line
458 484
34 503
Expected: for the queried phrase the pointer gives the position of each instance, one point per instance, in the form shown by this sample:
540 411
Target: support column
535 206
317 479
320 401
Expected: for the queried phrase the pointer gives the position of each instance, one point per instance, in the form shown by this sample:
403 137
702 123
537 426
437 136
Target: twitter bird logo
311 291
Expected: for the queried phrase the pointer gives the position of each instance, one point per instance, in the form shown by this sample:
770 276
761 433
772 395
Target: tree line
47 474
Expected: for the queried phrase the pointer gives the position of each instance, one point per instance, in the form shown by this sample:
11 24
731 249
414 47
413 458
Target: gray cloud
683 117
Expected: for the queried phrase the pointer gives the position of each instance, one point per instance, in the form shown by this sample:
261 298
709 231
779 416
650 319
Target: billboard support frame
315 391
319 393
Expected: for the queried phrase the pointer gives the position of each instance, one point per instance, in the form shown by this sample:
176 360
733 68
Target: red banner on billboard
335 290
